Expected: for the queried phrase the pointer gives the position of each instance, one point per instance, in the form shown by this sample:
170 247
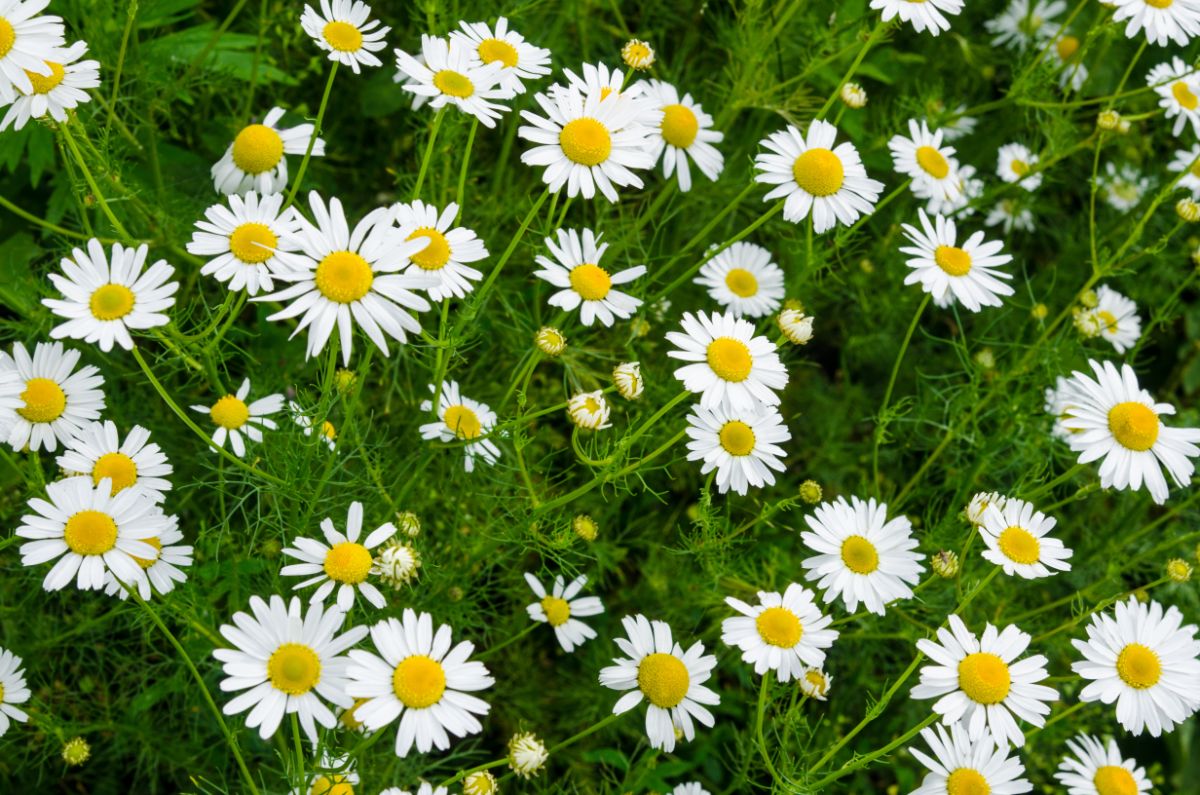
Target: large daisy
459 418
46 400
445 257
1177 85
13 690
562 607
449 72
233 417
729 366
743 279
968 274
53 95
241 240
521 60
1161 20
925 15
582 282
923 157
1015 534
342 562
685 133
345 30
256 161
960 765
1099 769
27 43
784 632
742 446
98 452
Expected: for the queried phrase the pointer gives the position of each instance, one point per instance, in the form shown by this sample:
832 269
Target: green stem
433 133
69 137
863 761
312 141
758 727
33 219
462 173
482 292
130 15
881 423
508 642
301 778
858 59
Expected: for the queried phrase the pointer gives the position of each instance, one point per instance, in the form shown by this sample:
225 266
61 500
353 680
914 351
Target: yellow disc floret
342 36
146 563
965 781
779 626
737 438
860 555
44 399
111 302
819 172
294 669
8 37
984 678
464 422
953 260
117 467
585 141
679 125
253 243
230 412
492 50
1183 95
932 162
591 281
331 785
436 254
344 277
419 681
348 563
453 84
741 282
257 148
1134 425
44 84
557 610
664 679
1138 666
1019 545
1114 780
730 359
90 533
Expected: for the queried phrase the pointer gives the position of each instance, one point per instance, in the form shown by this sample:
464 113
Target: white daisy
815 683
1162 21
27 42
968 274
521 60
449 72
527 755
661 672
47 401
861 557
1073 73
1011 216
743 279
627 378
304 419
342 562
1187 161
1060 398
729 366
1142 658
925 15
163 569
1114 318
589 410
97 451
462 419
1097 769
795 326
583 283
1177 85
685 132
233 417
967 188
742 446
930 164
599 79
104 298
13 690
1015 534
424 789
256 161
1122 188
980 503
562 608
240 241
1013 164
1025 23
64 89
332 775
782 633
344 29
445 257
960 765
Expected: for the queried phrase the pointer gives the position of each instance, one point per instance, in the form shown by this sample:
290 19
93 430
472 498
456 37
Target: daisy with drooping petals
1015 534
729 365
922 157
103 297
925 15
960 765
233 417
980 503
287 660
1025 23
742 446
448 251
967 274
27 43
815 683
521 60
462 419
1177 85
1161 20
782 633
685 132
562 610
1188 162
583 283
415 675
671 680
1122 188
1119 421
862 557
1142 658
627 378
162 569
53 95
343 562
326 431
1099 769
1013 164
98 452
743 279
1114 317
13 690
589 410
242 240
345 30
795 326
45 402
450 73
256 161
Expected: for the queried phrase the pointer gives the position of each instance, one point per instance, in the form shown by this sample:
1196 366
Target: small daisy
342 562
782 633
1097 769
527 755
589 410
960 765
103 297
53 95
448 251
1060 399
1073 73
690 788
562 610
1146 661
449 72
28 42
627 378
1177 85
1162 21
327 434
742 446
163 569
816 178
1123 187
97 451
967 274
255 160
1025 23
1010 216
977 682
1120 422
521 60
583 283
861 557
240 241
1013 164
287 660
967 188
333 775
343 28
729 366
1114 318
462 419
743 279
980 503
1188 162
661 672
930 164
637 54
925 15
13 690
1015 534
685 133
815 683
53 401
234 417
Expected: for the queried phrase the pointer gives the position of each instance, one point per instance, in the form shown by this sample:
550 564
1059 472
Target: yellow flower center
1138 666
1114 780
1019 167
679 126
953 260
932 161
819 172
111 302
1184 96
585 141
464 422
591 281
557 610
1134 425
146 563
328 431
118 467
817 680
257 148
1067 46
44 84
44 400
741 282
605 91
349 718
435 255
779 626
737 438
1019 545
230 412
253 243
8 37
453 84
492 50
419 681
331 785
348 562
730 359
342 36
636 52
860 555
984 677
294 669
663 678
1159 3
965 781
90 533
1109 320
344 277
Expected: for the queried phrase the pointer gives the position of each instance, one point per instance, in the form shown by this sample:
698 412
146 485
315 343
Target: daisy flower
562 607
1099 769
1123 187
782 633
690 788
163 569
449 72
743 279
637 54
287 660
334 775
91 532
27 43
958 126
462 419
345 278
1144 660
46 400
589 410
527 754
519 59
344 29
685 132
1025 23
1176 21
1114 318
1015 534
327 433
342 562
1119 421
627 378
240 241
1073 73
64 89
795 326
979 504
98 452
661 672
13 690
1188 162
967 188
926 15
233 417
1177 85
444 258
967 274
742 446
861 557
815 683
583 283
1010 216
417 677
961 765
729 366
1060 398
923 157
255 160
599 79
103 297
1013 164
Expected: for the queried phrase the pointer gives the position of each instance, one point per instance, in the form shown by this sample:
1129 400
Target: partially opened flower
520 60
256 161
449 72
562 607
44 400
589 410
57 93
345 30
342 562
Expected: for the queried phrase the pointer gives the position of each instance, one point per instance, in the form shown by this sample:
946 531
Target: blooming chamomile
54 95
445 257
743 279
520 60
1015 534
968 274
98 452
233 417
961 765
926 15
742 446
784 632
45 400
562 607
582 282
256 160
240 240
1097 768
345 30
449 73
685 133
729 366
463 419
342 562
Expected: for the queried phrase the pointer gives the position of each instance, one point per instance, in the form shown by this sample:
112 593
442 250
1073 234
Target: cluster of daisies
40 74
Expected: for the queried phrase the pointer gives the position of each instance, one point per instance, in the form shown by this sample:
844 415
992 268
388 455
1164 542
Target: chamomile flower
923 157
968 188
98 452
287 660
1073 73
462 419
1013 164
685 133
1122 188
589 410
627 378
958 126
927 15
333 775
1015 535
581 280
861 556
445 257
795 326
599 79
690 788
979 682
327 433
1162 21
728 365
1061 397
415 675
1188 162
27 42
13 690
345 30
1010 215
1099 769
743 279
1142 658
233 417
637 54
449 72
425 788
1119 421
742 446
342 562
815 683
398 564
783 633
1114 318
659 671
53 95
816 177
968 274
164 569
978 507
105 297
1025 23
256 160
47 400
962 765
1177 85
520 60
345 278
562 608
240 241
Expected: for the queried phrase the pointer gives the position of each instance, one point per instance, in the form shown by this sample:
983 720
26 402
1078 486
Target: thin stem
858 59
758 727
130 15
33 219
312 141
508 642
433 133
863 761
595 727
301 778
462 173
482 292
881 423
69 137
